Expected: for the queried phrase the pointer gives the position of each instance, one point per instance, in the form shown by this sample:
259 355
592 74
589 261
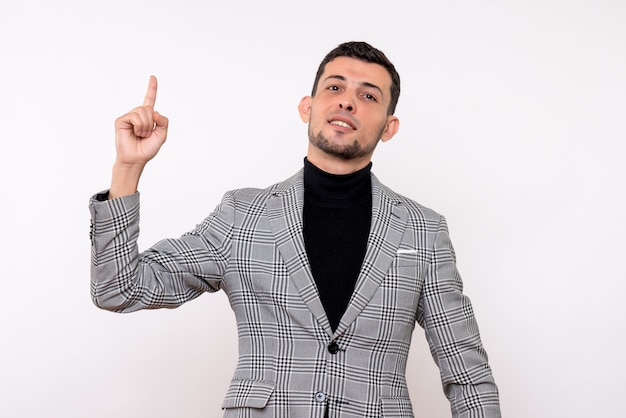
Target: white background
512 126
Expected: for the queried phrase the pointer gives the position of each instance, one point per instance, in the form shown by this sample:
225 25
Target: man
327 272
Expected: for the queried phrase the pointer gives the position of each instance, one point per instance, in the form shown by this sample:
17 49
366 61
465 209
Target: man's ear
305 109
393 124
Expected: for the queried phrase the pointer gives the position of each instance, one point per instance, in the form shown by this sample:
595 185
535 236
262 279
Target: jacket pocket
248 393
396 407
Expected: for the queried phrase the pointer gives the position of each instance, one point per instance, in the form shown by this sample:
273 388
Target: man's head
351 107
366 53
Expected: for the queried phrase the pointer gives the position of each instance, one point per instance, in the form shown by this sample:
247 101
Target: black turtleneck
337 216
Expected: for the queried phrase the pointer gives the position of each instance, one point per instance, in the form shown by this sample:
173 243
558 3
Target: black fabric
337 216
102 196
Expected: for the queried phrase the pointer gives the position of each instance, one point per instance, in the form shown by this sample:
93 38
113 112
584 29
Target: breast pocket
410 256
408 267
402 286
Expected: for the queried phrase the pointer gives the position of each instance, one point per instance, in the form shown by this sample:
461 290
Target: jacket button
333 348
320 396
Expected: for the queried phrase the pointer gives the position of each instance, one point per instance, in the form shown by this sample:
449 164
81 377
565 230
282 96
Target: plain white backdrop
512 126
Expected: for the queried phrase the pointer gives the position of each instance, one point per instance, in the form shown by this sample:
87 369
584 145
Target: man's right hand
139 135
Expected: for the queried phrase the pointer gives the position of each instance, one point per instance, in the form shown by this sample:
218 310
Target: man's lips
342 122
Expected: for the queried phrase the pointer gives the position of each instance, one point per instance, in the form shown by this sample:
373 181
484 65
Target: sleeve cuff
102 196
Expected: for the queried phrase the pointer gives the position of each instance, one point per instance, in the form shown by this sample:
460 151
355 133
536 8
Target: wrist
125 179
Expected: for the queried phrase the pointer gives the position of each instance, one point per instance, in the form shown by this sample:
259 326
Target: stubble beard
345 152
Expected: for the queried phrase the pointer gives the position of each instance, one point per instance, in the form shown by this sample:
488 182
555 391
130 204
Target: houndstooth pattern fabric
291 364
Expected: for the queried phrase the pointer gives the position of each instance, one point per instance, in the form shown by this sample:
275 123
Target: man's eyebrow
362 83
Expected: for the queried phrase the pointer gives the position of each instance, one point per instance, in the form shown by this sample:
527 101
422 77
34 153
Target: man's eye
333 88
370 97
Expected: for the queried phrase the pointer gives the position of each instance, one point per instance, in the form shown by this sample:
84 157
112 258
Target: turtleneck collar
337 186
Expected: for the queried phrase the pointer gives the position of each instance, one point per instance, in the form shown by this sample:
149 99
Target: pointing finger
151 94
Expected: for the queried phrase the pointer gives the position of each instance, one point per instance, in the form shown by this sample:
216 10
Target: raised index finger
150 98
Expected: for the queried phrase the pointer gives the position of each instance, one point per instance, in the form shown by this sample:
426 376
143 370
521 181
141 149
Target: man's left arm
451 329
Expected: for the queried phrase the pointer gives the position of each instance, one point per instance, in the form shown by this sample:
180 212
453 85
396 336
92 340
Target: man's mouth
340 123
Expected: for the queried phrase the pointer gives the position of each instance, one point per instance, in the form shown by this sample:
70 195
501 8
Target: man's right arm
122 279
166 275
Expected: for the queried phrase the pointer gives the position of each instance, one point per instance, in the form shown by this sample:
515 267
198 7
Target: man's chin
345 152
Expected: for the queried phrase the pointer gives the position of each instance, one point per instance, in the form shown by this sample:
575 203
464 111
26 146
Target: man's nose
346 105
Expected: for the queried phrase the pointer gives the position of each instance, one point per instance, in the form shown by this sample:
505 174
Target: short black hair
367 53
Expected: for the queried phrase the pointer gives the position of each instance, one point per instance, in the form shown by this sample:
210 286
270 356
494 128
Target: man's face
348 115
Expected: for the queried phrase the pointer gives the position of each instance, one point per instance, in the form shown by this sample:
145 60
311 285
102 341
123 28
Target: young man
327 272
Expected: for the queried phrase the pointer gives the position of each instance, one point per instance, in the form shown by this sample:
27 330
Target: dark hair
367 53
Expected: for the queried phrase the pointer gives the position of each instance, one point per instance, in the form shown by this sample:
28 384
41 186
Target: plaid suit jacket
291 364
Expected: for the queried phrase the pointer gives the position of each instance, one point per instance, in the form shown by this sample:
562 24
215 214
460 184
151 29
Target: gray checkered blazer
291 364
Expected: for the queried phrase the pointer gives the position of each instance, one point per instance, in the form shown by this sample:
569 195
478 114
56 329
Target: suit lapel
387 228
285 209
389 218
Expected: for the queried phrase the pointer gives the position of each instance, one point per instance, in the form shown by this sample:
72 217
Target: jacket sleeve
447 317
167 275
